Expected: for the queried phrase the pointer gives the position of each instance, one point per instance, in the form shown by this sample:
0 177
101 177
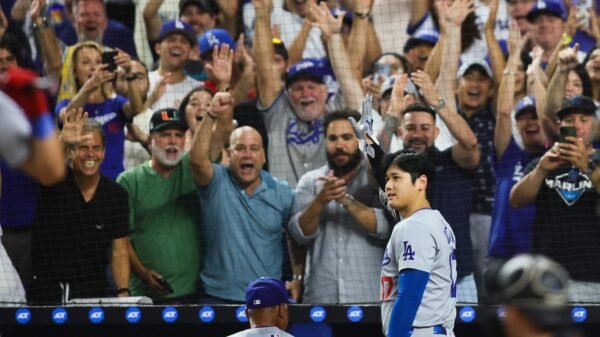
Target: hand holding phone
567 131
108 57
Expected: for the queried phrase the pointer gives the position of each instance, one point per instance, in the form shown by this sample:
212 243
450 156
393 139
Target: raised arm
331 29
152 20
392 116
567 61
506 92
418 10
296 49
48 42
465 152
134 105
526 190
202 169
269 81
229 10
494 50
95 82
358 36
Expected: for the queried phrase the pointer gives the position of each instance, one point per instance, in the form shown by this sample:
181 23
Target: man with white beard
164 250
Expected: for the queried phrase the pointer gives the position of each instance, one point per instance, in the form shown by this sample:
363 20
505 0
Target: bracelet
362 15
298 277
122 290
350 198
211 115
566 39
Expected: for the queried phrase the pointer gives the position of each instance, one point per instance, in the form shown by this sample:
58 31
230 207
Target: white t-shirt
174 93
267 331
424 241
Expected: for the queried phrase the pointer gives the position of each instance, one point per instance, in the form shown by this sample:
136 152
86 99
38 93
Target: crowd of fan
209 143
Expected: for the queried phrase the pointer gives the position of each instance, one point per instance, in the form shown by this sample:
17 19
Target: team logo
570 189
355 314
206 314
133 315
501 313
23 316
386 258
579 314
96 315
170 314
240 314
59 315
467 314
318 314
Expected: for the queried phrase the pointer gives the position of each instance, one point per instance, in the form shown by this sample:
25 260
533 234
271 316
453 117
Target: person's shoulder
112 187
115 26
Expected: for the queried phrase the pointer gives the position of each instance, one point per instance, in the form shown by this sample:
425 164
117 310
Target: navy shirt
18 199
482 123
117 35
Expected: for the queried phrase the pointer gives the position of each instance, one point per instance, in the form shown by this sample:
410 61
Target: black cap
279 48
167 118
536 285
420 107
577 104
206 6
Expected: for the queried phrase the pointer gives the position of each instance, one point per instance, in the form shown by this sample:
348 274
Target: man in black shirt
78 220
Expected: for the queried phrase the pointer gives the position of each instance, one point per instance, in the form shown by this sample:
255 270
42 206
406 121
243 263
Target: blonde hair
68 84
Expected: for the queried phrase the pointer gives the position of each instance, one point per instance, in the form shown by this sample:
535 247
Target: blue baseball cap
550 7
525 105
482 64
309 68
266 292
177 27
215 37
577 104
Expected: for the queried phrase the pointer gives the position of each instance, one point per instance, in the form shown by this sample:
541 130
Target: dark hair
186 100
420 107
586 82
414 163
588 55
415 42
468 30
339 114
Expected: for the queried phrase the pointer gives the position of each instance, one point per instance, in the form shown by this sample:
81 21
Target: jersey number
408 254
452 280
387 285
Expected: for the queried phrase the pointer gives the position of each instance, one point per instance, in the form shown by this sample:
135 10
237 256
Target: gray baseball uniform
424 241
267 331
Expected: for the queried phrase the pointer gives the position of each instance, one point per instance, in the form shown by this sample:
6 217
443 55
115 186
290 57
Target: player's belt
437 329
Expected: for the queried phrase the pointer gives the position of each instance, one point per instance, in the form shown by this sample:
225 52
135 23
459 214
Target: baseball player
418 276
266 308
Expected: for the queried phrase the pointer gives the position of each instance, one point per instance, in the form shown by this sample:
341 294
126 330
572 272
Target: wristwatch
350 200
441 104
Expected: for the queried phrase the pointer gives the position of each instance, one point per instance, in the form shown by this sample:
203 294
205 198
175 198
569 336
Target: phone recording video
567 131
108 57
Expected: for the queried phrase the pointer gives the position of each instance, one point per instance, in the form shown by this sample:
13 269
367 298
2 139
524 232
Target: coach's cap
576 104
205 6
481 64
266 292
177 27
526 104
538 287
167 118
549 7
215 37
309 68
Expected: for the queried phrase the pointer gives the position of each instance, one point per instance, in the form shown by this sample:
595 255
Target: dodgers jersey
424 241
266 331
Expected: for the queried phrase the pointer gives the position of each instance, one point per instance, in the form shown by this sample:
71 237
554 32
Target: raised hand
242 55
491 20
551 160
515 40
455 14
221 65
567 58
72 126
263 7
222 102
423 81
326 22
398 101
123 60
575 152
99 77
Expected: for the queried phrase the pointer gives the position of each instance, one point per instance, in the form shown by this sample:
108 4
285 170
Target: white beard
161 155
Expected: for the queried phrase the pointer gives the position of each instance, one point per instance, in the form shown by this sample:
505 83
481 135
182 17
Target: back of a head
535 284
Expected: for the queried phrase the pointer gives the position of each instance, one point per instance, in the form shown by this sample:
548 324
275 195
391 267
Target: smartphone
108 57
382 71
165 284
565 131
